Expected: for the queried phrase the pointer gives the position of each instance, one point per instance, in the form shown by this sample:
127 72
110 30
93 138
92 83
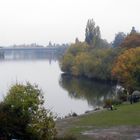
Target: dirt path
112 133
64 125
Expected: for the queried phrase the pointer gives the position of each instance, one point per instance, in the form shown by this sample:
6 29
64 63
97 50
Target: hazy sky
61 21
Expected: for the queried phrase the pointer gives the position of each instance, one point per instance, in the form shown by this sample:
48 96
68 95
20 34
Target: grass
125 115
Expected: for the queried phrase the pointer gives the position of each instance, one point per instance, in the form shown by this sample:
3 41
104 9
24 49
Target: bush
109 102
22 115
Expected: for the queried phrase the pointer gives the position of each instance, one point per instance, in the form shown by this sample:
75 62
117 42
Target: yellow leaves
79 63
126 65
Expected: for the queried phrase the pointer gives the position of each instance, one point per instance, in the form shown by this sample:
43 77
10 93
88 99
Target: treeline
33 45
81 60
98 59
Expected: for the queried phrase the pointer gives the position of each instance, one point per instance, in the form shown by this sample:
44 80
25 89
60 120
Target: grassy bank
125 115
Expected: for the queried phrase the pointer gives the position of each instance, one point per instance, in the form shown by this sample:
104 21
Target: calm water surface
63 94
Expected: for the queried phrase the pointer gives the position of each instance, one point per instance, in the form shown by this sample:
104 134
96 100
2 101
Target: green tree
68 60
81 64
119 38
92 34
24 114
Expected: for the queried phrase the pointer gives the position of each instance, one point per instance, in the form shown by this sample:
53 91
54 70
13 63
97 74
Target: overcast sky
61 21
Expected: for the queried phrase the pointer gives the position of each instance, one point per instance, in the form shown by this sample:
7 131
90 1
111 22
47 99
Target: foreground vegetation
125 115
23 116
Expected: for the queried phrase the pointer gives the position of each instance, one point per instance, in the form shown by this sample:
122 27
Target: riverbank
123 123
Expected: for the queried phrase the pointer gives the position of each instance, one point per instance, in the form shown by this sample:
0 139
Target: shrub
22 115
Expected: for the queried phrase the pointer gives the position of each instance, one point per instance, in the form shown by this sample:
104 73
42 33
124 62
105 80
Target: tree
22 115
127 68
77 40
131 41
119 38
81 63
68 60
92 34
133 30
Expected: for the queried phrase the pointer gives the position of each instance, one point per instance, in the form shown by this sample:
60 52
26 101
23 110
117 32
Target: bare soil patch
114 133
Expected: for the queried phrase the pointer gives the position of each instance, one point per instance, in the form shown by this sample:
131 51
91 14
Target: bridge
22 52
37 49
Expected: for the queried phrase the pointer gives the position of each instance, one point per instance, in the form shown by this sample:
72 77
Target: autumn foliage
81 60
102 62
131 41
120 64
127 68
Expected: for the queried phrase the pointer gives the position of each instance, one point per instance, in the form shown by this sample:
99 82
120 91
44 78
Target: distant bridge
27 52
28 49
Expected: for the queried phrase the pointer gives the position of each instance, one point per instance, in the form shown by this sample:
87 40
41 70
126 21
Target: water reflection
21 55
92 91
31 53
63 94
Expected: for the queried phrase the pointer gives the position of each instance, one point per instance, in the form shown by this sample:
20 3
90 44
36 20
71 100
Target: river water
63 94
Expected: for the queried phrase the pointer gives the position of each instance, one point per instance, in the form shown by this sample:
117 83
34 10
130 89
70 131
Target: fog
61 21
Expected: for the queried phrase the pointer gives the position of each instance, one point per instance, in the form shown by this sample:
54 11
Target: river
63 94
